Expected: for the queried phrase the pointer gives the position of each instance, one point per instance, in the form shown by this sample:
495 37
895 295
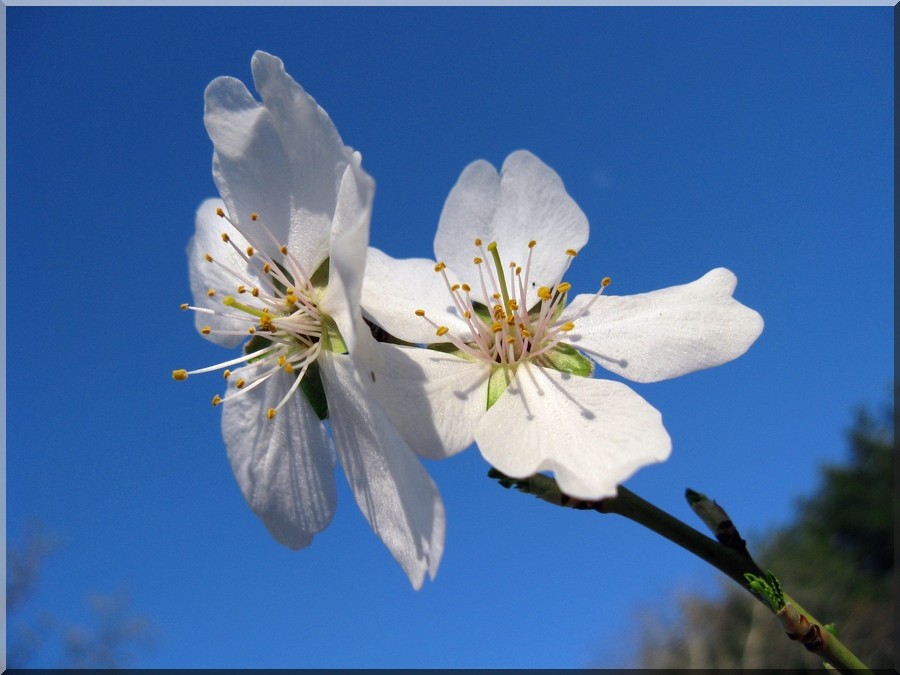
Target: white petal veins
662 334
593 434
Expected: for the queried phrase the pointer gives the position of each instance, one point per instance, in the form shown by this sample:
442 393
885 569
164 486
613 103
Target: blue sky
692 138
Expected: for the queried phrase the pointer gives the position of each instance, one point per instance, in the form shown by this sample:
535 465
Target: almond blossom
511 354
277 263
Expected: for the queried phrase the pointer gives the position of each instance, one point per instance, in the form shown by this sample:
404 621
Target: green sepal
499 380
447 348
255 344
319 278
561 306
314 390
567 359
483 312
332 339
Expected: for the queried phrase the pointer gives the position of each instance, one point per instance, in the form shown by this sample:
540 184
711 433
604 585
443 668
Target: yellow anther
511 340
606 282
281 360
255 292
184 306
496 296
532 243
525 332
544 293
240 383
179 374
288 368
496 327
513 305
251 330
290 298
206 330
242 289
477 260
440 267
442 330
211 292
220 212
208 257
265 321
571 252
518 270
226 374
467 314
283 250
266 268
466 288
270 413
254 216
249 251
492 246
477 241
567 326
225 237
454 287
216 399
563 287
420 312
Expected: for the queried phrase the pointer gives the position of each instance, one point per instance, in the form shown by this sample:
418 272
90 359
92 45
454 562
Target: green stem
735 562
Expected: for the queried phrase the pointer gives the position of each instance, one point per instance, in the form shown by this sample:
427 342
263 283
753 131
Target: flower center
277 301
506 331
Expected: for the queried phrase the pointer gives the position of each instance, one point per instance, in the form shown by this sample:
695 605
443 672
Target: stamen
284 308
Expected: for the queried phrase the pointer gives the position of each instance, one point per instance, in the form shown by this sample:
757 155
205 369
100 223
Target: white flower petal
282 159
284 466
654 336
205 275
526 201
593 434
393 491
393 289
349 240
434 399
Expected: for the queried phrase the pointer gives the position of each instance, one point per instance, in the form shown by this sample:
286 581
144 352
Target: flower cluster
486 344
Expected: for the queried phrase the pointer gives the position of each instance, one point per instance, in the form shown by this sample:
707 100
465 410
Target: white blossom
508 365
278 263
